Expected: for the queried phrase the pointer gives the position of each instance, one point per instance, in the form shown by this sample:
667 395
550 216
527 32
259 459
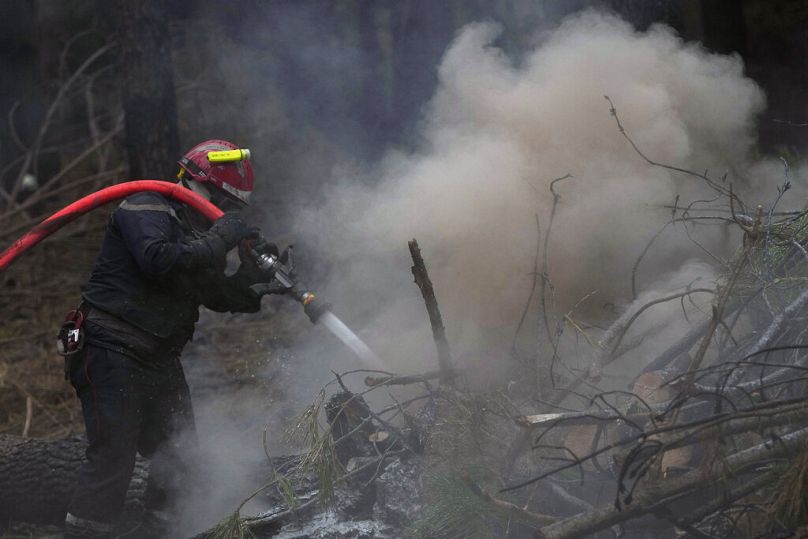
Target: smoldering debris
695 444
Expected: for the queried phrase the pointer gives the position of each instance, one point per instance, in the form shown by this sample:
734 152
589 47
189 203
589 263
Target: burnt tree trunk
150 106
37 479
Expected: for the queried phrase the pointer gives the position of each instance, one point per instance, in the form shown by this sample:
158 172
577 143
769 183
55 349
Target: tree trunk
37 479
152 136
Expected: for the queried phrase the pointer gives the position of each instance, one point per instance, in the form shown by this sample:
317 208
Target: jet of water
351 340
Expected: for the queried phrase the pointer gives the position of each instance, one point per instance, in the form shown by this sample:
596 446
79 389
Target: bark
37 478
152 136
774 330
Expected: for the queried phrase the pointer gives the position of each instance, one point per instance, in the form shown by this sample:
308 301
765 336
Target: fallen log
37 479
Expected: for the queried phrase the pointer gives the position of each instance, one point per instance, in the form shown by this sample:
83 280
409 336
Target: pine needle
455 511
321 458
232 527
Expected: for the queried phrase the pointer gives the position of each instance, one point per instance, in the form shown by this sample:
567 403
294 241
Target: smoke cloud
496 134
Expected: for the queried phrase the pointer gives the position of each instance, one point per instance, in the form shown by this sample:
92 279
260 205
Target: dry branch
717 187
728 497
774 329
33 154
511 508
611 340
435 319
654 497
545 266
373 381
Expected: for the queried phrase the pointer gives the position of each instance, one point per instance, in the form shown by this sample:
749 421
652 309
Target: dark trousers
129 408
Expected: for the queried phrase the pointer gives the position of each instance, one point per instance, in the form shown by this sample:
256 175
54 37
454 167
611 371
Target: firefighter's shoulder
146 201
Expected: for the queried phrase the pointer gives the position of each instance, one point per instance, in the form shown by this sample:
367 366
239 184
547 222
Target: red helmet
234 177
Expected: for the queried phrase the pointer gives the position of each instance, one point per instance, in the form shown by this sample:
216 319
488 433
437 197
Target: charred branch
403 380
435 319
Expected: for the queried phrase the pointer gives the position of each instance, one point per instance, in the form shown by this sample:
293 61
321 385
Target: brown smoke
497 133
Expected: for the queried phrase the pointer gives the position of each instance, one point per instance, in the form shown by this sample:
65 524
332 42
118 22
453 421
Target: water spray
279 270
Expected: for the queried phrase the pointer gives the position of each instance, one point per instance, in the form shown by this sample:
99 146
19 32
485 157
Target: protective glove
231 229
262 289
249 267
258 244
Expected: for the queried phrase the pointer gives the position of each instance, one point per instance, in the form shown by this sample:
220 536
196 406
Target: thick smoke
496 135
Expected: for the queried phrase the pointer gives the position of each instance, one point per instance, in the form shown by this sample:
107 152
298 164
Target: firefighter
157 264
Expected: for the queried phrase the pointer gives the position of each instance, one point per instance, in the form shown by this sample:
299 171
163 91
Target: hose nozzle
284 283
315 309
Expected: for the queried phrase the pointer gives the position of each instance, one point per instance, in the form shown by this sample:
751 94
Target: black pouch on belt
70 339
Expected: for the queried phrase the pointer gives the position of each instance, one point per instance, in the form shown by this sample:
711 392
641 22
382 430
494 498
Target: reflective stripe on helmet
243 196
192 167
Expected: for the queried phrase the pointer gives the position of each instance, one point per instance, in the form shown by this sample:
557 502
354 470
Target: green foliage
321 458
288 490
454 511
322 461
231 527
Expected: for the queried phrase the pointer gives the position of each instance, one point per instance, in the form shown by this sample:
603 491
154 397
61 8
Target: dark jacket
146 274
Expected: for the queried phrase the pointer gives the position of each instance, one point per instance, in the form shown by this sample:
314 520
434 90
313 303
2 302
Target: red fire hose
99 198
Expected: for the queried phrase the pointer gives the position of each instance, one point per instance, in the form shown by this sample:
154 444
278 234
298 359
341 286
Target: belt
132 339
